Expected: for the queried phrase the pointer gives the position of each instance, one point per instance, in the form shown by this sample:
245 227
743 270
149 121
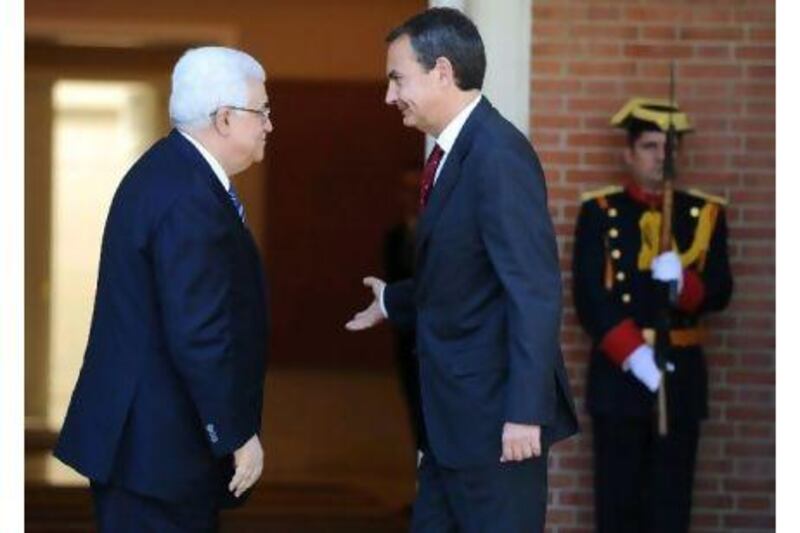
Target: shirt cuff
693 293
621 341
383 305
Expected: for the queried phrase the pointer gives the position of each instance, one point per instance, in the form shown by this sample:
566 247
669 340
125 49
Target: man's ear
627 154
444 70
221 121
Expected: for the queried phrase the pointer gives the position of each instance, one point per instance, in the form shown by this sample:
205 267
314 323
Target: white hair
205 79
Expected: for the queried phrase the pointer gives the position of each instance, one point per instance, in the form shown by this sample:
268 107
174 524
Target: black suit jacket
172 379
486 298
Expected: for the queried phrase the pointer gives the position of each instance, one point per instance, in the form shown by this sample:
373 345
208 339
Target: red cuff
693 293
621 341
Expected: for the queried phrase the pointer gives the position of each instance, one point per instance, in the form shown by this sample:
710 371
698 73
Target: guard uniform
643 481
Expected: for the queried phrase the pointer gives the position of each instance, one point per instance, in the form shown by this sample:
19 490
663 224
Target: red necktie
428 173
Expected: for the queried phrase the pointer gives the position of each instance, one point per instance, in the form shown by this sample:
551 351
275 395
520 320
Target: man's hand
520 441
249 462
373 314
642 364
667 267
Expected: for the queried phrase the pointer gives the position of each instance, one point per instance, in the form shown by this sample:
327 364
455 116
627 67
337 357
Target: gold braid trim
650 228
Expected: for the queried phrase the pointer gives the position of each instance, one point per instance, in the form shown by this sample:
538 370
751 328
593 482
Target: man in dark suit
486 294
166 414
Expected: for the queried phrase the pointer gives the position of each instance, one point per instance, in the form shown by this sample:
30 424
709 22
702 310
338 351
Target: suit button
613 233
626 298
620 276
616 254
612 212
695 212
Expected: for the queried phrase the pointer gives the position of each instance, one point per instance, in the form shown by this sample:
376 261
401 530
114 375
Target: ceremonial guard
647 392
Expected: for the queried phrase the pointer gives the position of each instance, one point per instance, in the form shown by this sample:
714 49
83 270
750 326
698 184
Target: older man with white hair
165 418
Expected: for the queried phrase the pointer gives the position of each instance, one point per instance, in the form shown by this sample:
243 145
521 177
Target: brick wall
589 56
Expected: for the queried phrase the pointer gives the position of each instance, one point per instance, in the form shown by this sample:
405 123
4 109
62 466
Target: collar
449 134
637 193
211 160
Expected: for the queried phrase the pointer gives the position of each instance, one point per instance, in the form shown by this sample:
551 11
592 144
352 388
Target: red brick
709 70
659 51
661 33
766 53
711 14
752 16
599 32
711 33
756 522
593 140
749 449
749 413
713 52
659 13
555 85
605 69
761 72
761 33
750 503
760 144
747 485
546 30
543 67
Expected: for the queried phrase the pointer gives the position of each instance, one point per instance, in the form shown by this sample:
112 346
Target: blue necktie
237 203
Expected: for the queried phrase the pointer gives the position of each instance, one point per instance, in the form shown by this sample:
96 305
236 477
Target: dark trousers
118 510
643 482
502 498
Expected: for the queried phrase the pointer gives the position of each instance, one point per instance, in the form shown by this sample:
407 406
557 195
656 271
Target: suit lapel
448 177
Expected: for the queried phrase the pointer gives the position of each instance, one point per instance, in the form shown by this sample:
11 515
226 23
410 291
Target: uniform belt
682 338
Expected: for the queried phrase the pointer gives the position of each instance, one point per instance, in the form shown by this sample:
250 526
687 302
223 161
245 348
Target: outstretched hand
372 315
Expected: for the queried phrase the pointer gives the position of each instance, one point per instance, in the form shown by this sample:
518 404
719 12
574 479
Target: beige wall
309 39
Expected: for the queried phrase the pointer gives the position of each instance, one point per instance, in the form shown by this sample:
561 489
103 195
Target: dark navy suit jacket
486 298
172 379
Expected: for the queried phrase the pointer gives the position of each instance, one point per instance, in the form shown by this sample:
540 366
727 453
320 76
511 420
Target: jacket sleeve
716 276
520 241
193 254
398 298
600 314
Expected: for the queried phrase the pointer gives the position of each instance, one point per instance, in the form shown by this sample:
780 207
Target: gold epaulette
697 193
605 191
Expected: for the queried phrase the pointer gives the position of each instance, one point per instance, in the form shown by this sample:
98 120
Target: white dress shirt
212 161
449 134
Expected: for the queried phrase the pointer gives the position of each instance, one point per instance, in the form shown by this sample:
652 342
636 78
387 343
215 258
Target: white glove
642 363
667 267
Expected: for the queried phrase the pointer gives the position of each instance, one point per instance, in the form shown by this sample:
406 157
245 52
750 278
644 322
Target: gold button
612 212
695 212
616 254
620 276
626 298
613 233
